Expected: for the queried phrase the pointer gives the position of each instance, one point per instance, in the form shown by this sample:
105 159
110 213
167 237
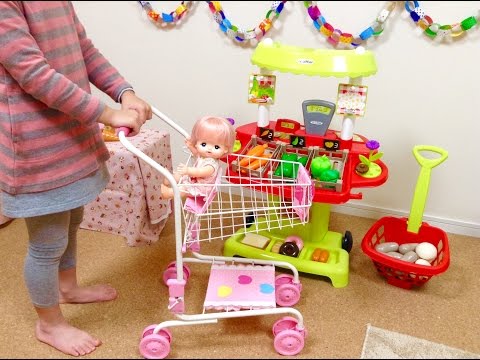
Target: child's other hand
119 118
130 101
182 169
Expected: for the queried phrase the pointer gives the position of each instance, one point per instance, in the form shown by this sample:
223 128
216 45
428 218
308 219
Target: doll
211 139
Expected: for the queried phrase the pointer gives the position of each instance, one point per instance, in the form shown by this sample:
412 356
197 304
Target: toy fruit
330 175
303 160
319 165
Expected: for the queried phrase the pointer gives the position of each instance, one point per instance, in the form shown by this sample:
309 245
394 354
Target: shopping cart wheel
154 346
164 332
347 241
286 279
285 323
289 342
171 272
287 295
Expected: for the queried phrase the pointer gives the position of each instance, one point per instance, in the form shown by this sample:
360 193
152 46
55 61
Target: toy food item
259 162
108 134
256 240
410 256
330 175
237 145
426 251
276 247
286 169
289 249
296 239
303 160
422 262
319 165
404 248
320 255
257 150
394 254
361 168
387 247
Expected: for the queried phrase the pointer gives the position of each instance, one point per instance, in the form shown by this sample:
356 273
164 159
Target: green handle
421 189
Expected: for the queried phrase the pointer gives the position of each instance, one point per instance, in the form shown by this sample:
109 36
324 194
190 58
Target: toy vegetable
258 162
257 150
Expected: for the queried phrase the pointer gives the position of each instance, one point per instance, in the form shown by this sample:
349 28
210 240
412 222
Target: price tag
265 134
297 141
331 144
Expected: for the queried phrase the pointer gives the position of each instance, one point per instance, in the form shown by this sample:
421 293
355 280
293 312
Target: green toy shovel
421 189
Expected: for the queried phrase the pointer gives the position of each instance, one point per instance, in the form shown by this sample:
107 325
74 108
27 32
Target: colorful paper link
336 36
433 29
240 34
164 18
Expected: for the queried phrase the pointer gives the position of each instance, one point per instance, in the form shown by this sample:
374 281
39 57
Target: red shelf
351 180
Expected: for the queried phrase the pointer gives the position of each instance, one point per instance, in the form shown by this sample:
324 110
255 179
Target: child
212 138
52 154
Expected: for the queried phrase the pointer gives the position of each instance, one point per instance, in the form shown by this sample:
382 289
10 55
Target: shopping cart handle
125 130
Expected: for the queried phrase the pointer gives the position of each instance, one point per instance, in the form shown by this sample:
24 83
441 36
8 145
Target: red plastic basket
398 272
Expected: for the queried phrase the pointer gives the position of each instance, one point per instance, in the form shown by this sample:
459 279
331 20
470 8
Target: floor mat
385 344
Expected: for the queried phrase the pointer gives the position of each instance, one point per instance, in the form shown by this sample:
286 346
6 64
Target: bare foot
66 338
88 294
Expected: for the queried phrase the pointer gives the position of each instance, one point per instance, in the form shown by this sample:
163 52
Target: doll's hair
217 129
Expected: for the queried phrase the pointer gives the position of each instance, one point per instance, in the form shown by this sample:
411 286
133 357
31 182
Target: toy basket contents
391 231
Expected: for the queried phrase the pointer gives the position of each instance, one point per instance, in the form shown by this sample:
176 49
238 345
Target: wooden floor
445 310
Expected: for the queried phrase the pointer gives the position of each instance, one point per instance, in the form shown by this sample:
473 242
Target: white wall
424 92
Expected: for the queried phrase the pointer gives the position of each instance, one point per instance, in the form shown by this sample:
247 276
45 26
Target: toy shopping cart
398 272
238 287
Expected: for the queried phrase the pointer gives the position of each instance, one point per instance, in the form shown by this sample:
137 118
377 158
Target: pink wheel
289 342
287 295
285 323
164 332
171 272
286 279
154 346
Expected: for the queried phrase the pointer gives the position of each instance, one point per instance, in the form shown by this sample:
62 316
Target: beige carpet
385 344
442 311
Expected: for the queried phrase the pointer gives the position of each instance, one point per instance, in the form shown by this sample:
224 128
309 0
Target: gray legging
53 247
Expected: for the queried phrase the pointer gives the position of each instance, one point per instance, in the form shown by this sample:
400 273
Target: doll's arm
200 172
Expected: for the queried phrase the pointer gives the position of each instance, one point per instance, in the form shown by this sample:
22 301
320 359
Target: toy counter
317 250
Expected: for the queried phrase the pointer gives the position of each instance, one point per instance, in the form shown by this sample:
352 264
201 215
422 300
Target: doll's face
207 149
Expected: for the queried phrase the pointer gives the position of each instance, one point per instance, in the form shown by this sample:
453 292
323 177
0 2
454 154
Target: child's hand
119 118
182 169
130 101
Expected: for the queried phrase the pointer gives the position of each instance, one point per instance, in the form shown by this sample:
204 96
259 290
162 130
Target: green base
314 234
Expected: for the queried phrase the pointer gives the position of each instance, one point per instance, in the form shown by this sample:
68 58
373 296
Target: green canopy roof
320 62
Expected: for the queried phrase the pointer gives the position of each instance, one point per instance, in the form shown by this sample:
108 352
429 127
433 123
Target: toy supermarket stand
343 148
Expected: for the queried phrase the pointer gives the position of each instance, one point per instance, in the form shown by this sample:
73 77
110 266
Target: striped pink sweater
48 131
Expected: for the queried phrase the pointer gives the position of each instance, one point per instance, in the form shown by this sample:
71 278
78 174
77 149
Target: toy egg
422 262
426 251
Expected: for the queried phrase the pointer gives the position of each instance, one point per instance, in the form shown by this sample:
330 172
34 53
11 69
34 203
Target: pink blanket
131 205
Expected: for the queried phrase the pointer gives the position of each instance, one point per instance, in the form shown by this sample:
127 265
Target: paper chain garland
334 36
165 18
240 35
337 36
433 29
